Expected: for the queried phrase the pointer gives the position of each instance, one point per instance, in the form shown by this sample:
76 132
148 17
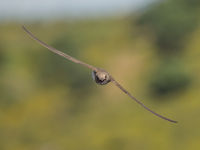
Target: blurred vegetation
171 22
49 103
170 76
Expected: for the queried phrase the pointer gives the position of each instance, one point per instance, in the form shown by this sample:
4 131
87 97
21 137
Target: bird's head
101 77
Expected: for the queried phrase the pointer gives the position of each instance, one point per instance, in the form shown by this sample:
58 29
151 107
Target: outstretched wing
135 99
59 52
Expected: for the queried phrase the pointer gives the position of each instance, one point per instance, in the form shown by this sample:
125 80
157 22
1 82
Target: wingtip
175 122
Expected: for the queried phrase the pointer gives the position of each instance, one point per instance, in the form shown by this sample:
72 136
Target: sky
19 9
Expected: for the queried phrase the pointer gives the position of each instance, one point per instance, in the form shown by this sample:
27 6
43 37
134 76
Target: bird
99 75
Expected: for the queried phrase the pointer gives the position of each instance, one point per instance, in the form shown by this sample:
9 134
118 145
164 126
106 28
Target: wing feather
139 102
54 50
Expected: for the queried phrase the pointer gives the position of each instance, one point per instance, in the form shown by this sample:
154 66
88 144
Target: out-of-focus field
49 103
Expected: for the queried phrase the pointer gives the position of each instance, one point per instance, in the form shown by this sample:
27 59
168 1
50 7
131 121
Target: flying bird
100 76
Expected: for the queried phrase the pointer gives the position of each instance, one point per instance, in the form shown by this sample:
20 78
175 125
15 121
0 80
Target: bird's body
100 76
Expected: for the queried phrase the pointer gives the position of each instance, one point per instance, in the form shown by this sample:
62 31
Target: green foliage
1 55
169 77
171 21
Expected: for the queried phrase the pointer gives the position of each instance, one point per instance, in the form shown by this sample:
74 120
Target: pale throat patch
101 75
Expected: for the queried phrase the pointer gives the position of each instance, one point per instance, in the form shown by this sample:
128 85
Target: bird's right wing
54 50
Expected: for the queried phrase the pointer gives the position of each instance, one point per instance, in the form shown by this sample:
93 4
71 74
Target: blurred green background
49 103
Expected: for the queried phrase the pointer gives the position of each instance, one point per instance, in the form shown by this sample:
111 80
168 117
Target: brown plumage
100 76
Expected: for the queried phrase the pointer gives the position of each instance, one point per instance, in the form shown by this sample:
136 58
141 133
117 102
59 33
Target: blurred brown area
49 103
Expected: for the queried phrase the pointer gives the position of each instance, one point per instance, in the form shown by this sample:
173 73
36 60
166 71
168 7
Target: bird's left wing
139 102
